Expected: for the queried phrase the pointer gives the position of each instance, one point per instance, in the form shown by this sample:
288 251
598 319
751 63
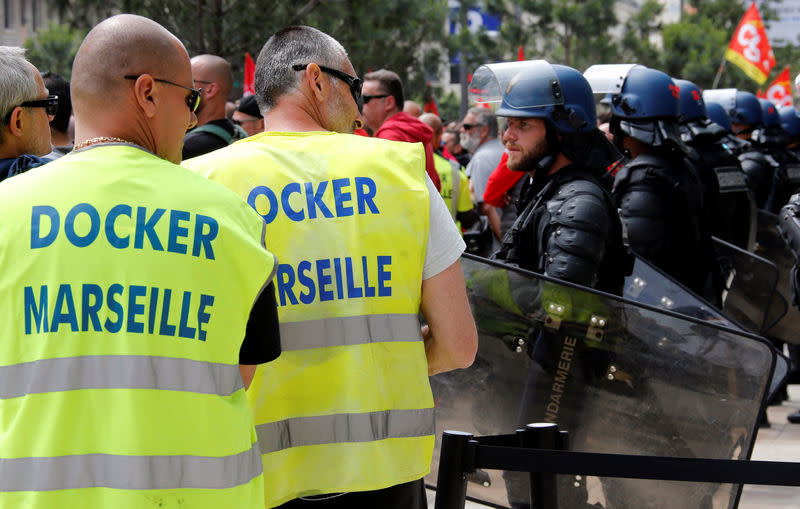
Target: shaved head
130 80
119 46
433 121
214 69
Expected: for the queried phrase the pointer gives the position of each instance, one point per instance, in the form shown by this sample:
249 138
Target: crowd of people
283 363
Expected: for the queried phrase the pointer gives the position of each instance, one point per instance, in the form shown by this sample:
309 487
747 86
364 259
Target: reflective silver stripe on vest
349 330
129 472
342 428
119 372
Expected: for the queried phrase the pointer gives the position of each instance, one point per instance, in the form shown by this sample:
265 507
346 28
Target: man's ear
16 123
144 90
318 83
390 104
210 90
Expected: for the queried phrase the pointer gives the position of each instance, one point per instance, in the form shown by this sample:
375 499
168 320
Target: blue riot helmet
537 89
717 114
691 105
770 132
770 113
644 103
790 121
741 107
557 94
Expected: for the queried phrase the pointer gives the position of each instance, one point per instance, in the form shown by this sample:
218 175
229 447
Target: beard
528 159
469 143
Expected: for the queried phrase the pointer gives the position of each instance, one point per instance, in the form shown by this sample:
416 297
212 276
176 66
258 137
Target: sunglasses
192 100
354 83
368 98
49 103
467 127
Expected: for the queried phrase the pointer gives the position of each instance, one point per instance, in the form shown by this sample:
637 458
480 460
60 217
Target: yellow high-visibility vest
348 405
126 288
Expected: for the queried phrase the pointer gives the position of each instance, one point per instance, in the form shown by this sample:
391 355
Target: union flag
249 75
749 48
780 91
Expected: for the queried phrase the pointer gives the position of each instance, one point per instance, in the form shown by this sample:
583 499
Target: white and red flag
749 48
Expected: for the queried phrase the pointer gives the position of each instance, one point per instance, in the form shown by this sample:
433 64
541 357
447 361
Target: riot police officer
729 206
772 139
659 194
746 115
567 225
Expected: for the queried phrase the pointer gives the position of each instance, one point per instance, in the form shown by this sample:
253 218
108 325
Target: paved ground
779 442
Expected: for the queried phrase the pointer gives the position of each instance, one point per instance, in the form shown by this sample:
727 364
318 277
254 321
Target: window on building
7 13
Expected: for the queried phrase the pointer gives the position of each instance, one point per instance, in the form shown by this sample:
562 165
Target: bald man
136 299
212 74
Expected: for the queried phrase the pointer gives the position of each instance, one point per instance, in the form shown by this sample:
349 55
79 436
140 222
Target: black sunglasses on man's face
192 100
49 103
354 83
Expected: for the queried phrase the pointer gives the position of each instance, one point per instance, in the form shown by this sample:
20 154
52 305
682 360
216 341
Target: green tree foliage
570 32
54 48
694 47
637 39
392 35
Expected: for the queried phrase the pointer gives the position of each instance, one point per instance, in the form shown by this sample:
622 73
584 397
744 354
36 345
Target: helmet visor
519 85
725 97
608 78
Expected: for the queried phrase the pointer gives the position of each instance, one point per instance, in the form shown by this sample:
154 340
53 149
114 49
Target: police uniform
127 287
348 406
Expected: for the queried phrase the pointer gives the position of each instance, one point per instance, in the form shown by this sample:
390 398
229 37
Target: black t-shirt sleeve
262 340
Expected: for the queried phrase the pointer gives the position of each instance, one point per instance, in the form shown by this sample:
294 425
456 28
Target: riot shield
783 321
750 286
648 285
622 377
739 205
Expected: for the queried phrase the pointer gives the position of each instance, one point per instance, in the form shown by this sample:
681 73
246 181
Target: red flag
249 75
520 53
749 48
430 105
780 91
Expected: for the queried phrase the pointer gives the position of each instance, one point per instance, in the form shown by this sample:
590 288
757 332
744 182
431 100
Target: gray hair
290 46
17 81
487 118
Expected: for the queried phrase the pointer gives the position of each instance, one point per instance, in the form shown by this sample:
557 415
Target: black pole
451 483
542 435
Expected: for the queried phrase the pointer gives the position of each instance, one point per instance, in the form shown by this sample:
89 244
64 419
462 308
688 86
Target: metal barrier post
544 490
451 485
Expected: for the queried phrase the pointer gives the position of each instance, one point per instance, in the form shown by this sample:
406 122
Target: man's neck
560 163
291 117
59 139
210 113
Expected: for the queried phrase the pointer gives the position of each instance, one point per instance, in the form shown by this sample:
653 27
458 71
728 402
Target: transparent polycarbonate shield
648 285
750 290
621 377
750 285
726 97
537 77
607 78
783 319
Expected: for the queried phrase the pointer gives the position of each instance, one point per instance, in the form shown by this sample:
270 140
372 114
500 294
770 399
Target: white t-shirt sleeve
445 244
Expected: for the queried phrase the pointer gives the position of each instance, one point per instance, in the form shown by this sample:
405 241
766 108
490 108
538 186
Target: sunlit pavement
779 442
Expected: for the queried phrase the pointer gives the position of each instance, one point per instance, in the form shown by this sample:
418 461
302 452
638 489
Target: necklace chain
103 139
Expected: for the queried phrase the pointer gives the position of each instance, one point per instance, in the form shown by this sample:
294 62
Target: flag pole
719 72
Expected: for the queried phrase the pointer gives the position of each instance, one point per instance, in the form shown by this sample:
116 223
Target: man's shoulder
488 153
404 127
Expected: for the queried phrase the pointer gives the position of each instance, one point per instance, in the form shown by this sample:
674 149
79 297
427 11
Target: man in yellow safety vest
136 300
345 416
